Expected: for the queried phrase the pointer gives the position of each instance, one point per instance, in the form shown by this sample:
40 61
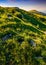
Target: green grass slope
39 15
22 37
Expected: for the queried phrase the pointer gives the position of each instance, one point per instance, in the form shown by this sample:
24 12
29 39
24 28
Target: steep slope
39 15
22 38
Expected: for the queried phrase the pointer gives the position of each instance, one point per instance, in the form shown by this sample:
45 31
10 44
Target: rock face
32 42
6 37
40 57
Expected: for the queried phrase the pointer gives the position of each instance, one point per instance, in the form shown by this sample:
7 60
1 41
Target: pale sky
39 5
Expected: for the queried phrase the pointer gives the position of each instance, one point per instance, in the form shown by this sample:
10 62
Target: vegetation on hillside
22 37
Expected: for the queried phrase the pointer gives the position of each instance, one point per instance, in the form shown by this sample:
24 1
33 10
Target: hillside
40 15
37 12
22 37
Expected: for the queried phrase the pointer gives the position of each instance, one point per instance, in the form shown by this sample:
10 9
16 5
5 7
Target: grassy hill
39 15
22 37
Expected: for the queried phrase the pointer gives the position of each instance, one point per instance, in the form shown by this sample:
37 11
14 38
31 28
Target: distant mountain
38 15
22 37
37 12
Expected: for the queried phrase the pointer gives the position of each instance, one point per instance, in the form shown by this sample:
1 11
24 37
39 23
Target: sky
39 5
